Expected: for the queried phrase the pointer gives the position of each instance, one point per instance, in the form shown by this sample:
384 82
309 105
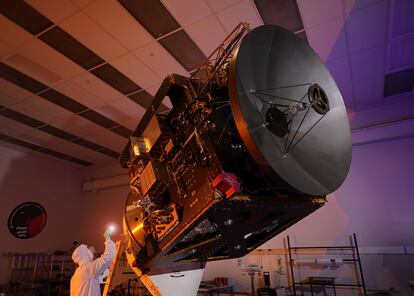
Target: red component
226 183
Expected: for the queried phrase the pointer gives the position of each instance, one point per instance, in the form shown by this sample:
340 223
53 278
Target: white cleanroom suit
85 280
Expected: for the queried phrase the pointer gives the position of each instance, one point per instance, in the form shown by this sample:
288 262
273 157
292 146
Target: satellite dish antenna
289 111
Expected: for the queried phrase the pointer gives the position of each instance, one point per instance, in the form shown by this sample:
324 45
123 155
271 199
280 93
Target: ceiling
76 76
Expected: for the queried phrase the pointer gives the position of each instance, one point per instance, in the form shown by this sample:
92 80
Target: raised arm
100 264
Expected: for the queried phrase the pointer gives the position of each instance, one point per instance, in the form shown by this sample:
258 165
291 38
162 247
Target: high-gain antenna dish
289 111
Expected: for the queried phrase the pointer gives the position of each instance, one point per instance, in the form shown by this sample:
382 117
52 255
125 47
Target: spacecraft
256 138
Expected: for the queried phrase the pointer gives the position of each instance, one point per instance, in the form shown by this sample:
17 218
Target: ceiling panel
187 11
142 97
86 31
71 48
347 93
135 70
152 15
82 3
25 16
217 5
46 132
44 55
329 39
86 143
129 108
122 131
24 119
79 94
112 17
96 147
57 132
12 35
20 79
116 79
15 93
131 124
340 70
65 157
22 143
78 125
97 87
5 50
243 11
284 13
108 139
115 113
351 6
41 109
32 69
183 49
367 27
69 148
399 82
98 118
36 136
368 63
207 33
316 12
6 100
368 94
55 11
110 153
63 101
403 21
159 60
153 90
401 53
11 127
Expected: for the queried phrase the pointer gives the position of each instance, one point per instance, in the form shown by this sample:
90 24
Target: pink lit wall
55 185
102 207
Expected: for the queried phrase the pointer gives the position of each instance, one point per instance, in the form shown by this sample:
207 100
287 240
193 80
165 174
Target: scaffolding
297 285
39 273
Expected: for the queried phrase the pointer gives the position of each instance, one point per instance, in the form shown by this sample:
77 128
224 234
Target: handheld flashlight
111 228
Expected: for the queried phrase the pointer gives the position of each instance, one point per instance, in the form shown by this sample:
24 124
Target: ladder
144 278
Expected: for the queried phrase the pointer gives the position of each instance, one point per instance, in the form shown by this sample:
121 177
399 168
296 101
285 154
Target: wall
54 184
102 207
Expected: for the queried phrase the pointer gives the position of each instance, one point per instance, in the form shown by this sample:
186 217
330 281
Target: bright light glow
111 228
138 227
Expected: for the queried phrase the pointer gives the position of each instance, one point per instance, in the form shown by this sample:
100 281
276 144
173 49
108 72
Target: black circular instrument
289 111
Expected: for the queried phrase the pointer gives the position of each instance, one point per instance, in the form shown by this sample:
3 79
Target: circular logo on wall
27 220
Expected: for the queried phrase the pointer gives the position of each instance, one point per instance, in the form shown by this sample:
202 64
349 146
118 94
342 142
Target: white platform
183 283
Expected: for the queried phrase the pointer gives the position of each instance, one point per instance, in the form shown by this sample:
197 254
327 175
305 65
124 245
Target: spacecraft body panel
199 190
